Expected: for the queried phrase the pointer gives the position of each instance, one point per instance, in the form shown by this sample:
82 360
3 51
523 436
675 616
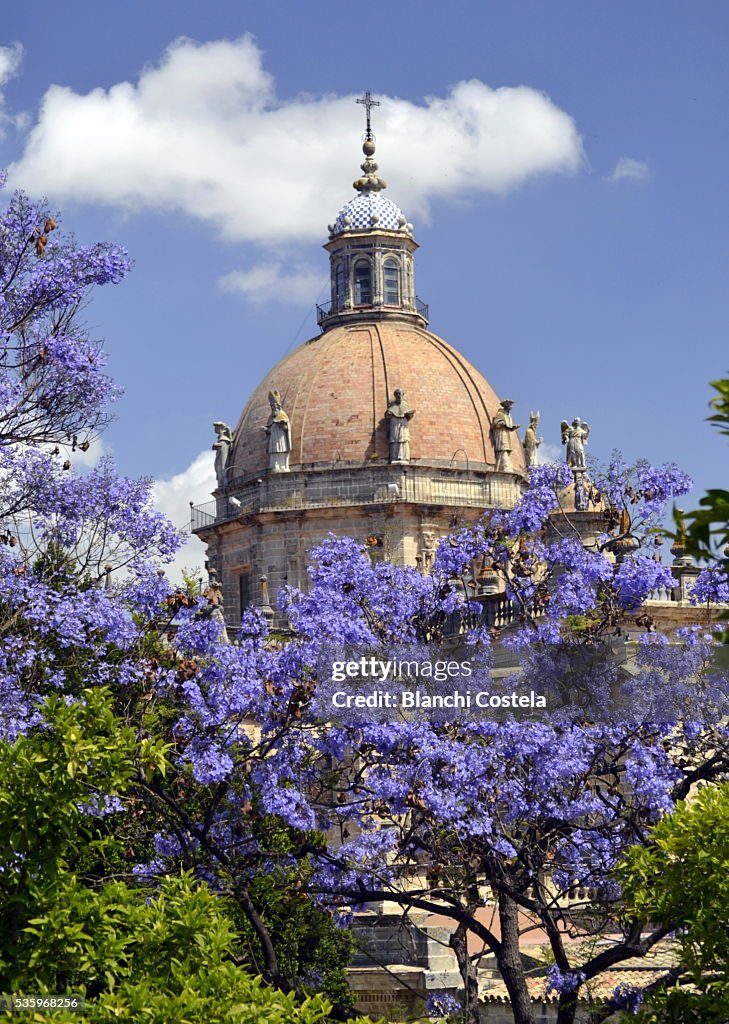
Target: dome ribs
336 389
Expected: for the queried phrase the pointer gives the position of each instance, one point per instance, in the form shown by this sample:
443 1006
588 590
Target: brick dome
336 388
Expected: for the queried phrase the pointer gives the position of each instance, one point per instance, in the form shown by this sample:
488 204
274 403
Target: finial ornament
368 103
371 181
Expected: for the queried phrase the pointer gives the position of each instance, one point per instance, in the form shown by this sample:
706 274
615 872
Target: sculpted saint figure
278 429
502 428
575 436
399 415
531 441
222 447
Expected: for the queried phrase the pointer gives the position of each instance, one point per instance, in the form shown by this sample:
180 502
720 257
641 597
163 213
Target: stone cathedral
380 430
376 428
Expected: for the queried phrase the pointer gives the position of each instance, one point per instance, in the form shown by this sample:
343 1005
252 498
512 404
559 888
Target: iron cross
368 103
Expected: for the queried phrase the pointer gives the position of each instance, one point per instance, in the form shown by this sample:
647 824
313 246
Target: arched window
362 283
391 281
340 286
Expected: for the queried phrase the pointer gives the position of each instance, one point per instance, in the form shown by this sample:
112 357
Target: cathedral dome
336 389
369 210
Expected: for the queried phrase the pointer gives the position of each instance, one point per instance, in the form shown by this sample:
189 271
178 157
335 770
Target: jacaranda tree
454 815
84 608
450 816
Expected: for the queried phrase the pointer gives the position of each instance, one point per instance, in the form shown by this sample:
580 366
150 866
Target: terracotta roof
600 988
336 389
637 972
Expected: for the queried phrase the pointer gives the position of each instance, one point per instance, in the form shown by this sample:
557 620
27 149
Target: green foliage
159 958
707 528
312 952
172 953
681 880
720 404
83 754
310 948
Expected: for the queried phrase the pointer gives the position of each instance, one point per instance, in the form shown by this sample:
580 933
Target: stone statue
502 427
531 441
427 548
222 448
214 596
278 429
399 415
575 436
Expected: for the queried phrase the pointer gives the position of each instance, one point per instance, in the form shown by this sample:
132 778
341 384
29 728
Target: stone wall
400 512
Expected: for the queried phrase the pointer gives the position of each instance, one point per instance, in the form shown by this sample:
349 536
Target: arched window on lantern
362 283
391 282
340 286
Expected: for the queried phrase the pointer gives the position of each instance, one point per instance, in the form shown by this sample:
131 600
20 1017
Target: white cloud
271 280
203 132
10 59
628 168
549 452
173 496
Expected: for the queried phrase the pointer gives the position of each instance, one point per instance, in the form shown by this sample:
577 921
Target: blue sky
572 223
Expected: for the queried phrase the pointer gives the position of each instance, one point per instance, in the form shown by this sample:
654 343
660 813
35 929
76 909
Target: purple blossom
167 846
564 982
102 805
628 997
150 870
540 499
711 587
442 1004
645 489
637 576
209 762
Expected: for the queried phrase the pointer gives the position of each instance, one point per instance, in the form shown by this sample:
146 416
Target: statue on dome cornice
502 428
531 441
575 436
222 448
399 415
278 429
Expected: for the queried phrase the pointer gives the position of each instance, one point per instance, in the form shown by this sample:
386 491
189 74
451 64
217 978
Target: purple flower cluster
628 997
644 489
63 627
711 587
540 500
442 1004
564 981
57 388
637 576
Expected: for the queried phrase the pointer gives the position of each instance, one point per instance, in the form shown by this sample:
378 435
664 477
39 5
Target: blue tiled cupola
371 248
